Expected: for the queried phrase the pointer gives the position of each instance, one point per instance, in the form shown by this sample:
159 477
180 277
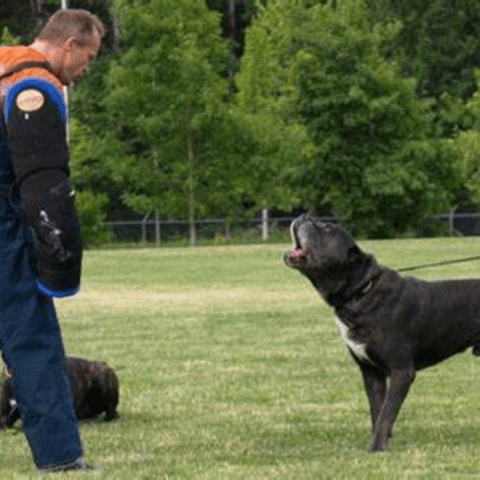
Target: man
40 245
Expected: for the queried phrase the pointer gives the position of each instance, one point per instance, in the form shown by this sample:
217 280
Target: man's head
70 40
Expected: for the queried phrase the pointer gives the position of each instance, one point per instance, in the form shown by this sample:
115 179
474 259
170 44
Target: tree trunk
36 7
232 21
116 34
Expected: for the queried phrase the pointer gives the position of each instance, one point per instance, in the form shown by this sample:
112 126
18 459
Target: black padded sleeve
35 118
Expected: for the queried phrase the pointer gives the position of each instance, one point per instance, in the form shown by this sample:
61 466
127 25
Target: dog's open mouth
297 256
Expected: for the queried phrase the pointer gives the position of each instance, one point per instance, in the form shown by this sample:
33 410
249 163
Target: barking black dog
393 326
94 390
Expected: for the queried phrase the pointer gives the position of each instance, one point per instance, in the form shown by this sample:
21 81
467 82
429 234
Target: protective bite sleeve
35 118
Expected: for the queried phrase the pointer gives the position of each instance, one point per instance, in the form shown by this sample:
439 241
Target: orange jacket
14 55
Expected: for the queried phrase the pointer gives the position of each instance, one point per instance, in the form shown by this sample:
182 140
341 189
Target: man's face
76 58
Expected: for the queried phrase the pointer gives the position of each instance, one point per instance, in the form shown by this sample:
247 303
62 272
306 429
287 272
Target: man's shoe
78 464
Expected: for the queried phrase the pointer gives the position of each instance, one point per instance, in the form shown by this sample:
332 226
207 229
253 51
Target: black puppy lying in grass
94 390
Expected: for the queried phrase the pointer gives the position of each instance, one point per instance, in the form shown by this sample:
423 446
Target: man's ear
70 44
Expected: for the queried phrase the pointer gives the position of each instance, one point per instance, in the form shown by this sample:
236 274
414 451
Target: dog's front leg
398 386
375 382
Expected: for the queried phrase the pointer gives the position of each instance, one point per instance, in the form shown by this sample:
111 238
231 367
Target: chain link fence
211 231
219 231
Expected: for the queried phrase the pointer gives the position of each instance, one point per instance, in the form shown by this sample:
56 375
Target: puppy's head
325 253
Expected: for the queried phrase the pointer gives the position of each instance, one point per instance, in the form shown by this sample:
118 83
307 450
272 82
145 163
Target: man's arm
35 118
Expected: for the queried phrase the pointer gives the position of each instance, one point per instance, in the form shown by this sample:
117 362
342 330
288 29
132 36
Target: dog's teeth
293 234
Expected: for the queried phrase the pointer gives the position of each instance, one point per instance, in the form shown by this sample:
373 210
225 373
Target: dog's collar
365 289
341 298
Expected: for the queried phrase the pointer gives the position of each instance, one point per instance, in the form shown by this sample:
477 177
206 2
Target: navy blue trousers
32 348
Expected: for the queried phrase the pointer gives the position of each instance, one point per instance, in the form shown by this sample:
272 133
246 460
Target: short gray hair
76 23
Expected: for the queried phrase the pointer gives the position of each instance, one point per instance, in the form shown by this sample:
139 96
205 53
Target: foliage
167 95
236 17
91 207
373 159
439 45
7 38
96 153
348 108
89 201
467 145
375 162
265 100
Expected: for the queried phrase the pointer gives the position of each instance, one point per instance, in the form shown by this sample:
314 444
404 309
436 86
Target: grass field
231 367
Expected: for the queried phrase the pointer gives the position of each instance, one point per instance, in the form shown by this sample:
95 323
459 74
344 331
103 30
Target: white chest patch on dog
358 349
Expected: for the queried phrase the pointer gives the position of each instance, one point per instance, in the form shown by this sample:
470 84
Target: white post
64 6
265 224
157 228
451 218
144 228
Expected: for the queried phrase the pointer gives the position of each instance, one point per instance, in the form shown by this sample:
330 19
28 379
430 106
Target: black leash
438 264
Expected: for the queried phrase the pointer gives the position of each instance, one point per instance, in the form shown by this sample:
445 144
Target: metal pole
144 228
64 6
451 218
264 224
157 228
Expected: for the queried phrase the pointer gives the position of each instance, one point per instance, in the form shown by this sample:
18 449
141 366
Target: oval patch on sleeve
30 100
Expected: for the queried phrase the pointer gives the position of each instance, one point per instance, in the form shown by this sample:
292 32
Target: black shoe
78 464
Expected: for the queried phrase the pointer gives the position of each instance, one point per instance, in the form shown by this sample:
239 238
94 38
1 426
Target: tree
167 96
439 45
236 16
20 16
92 164
377 162
374 161
440 41
265 101
466 145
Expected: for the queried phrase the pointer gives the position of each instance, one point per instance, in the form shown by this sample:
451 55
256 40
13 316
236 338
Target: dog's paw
378 446
111 416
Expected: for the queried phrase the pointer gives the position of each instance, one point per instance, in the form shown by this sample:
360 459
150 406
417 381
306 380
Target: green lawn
231 367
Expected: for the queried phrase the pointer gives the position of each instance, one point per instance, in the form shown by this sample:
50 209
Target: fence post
265 224
157 229
144 228
450 221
